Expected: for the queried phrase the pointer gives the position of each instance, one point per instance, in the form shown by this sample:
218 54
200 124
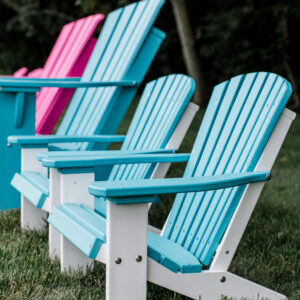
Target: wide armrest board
121 189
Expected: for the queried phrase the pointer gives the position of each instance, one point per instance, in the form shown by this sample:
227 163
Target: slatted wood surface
160 108
122 36
238 122
68 57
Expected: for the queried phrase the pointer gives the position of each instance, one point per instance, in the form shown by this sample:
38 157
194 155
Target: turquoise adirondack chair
68 58
124 51
158 126
242 131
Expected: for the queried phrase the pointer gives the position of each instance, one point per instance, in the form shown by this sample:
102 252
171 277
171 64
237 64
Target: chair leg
209 285
72 259
126 269
32 218
54 243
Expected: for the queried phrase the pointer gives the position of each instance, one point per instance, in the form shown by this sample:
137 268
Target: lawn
268 253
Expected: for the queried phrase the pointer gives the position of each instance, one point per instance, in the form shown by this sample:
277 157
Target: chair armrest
34 140
111 159
8 84
118 190
57 154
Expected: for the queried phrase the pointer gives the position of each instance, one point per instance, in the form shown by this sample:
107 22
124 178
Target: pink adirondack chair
68 58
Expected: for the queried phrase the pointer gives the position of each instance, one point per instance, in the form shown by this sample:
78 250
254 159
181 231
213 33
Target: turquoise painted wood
58 154
65 83
239 120
158 113
120 188
34 186
123 53
124 157
83 223
241 108
10 157
26 140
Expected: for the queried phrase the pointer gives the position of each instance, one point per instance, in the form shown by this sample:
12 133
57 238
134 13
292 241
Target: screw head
118 260
139 258
223 279
227 252
8 144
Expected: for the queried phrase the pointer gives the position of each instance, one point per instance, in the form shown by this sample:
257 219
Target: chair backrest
21 72
237 124
124 51
160 108
68 57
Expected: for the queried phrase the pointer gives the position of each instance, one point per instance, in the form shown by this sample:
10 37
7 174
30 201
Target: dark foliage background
232 36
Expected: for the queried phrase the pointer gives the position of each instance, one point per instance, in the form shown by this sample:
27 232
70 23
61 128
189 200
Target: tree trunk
286 63
189 53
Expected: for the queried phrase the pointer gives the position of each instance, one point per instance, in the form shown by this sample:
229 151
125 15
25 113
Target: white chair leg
53 200
32 218
72 259
74 189
54 243
126 269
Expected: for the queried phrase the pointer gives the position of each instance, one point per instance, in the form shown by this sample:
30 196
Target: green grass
268 253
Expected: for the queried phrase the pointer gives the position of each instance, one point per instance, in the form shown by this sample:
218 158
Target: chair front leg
54 200
74 189
32 218
126 270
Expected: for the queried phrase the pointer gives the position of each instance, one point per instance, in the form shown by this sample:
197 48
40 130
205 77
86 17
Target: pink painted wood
21 72
68 58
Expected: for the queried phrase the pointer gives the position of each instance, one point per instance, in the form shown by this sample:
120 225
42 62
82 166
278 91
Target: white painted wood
154 229
236 227
74 189
102 255
51 201
32 218
208 285
54 190
72 259
176 139
126 240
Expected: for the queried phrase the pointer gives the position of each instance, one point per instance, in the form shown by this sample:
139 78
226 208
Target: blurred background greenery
231 36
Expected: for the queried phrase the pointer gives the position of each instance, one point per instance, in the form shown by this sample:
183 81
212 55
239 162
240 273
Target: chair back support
237 124
160 108
68 57
124 51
